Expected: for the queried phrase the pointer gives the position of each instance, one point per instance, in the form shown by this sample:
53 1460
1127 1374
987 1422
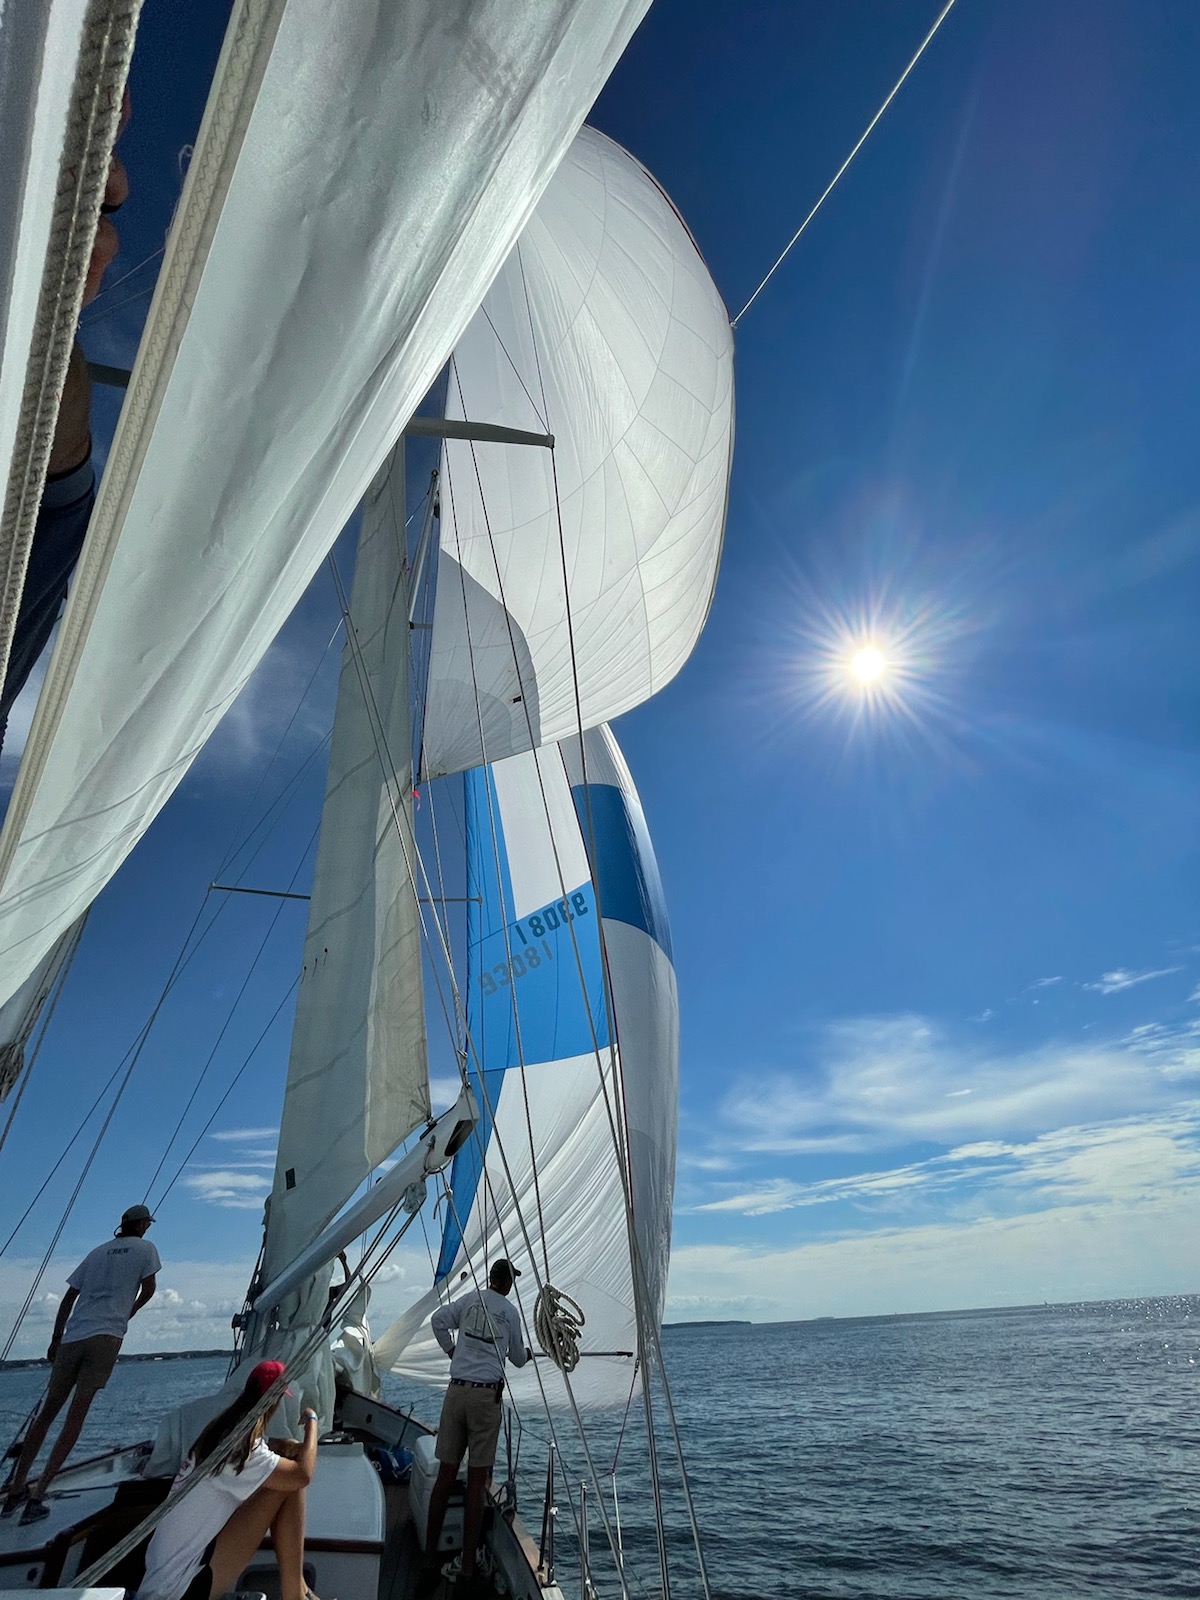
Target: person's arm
66 1306
145 1293
298 1472
518 1351
72 443
442 1320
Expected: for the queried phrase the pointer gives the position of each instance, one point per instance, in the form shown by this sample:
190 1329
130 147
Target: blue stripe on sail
525 1001
622 861
489 890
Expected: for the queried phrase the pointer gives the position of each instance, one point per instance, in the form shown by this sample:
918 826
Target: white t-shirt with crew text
108 1279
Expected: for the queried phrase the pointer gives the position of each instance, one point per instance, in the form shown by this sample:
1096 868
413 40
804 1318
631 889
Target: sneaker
34 1511
12 1502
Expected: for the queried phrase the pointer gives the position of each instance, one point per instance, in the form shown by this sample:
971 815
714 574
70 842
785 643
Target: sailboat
560 574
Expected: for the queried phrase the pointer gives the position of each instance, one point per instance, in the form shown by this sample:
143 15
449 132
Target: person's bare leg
38 1429
241 1536
287 1534
81 1404
477 1478
439 1499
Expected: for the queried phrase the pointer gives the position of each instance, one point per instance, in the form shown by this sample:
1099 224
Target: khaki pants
470 1417
85 1364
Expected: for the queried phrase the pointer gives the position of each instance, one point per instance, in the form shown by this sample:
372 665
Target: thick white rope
558 1322
92 121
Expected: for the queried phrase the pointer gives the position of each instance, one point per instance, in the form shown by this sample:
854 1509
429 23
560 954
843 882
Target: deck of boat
360 1543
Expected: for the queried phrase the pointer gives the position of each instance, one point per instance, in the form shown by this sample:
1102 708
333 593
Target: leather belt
469 1383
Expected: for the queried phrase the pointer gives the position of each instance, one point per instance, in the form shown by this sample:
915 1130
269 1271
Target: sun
868 664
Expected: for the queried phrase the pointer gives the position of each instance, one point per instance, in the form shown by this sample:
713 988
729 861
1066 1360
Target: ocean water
1037 1453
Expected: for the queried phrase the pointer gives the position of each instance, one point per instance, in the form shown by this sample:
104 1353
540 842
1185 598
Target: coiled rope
558 1322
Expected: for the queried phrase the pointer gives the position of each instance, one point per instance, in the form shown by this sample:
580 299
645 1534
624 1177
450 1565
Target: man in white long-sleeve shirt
489 1333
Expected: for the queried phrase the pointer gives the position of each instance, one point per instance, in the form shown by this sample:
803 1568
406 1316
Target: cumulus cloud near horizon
901 1128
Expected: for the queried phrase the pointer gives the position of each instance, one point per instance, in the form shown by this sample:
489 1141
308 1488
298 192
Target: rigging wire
111 288
280 908
642 1315
833 182
393 789
392 783
187 952
181 963
236 1079
614 1123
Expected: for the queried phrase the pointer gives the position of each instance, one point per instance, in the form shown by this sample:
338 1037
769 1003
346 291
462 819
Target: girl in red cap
204 1543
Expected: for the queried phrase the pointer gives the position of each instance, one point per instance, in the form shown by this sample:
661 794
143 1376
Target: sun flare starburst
868 664
879 667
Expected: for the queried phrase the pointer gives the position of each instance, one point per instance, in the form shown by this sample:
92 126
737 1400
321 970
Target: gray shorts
84 1364
470 1418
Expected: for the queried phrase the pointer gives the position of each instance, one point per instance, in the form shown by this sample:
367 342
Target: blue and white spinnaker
577 1077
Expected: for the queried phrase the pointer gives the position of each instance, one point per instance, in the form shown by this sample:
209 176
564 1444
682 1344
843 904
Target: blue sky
937 954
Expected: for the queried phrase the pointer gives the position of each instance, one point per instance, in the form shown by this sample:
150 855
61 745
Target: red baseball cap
265 1374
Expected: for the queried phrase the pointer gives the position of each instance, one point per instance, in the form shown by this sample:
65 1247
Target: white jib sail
361 173
573 586
358 1080
552 858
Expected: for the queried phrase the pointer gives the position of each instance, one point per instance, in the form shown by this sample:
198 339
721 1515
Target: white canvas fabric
560 1110
604 328
358 1081
361 174
19 1016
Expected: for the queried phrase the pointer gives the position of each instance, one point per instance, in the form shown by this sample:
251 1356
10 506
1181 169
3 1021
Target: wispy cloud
1123 978
1130 1160
245 1135
231 1187
1045 983
879 1083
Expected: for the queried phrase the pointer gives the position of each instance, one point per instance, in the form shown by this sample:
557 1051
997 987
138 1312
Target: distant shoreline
141 1355
713 1322
725 1322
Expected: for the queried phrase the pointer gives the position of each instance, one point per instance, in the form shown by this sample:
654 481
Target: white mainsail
358 1081
578 1076
573 585
360 175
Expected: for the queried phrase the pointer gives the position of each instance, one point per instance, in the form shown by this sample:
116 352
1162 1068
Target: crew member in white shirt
489 1333
206 1540
109 1286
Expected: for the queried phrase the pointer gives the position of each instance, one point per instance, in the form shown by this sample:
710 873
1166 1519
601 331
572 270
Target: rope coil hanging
558 1322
